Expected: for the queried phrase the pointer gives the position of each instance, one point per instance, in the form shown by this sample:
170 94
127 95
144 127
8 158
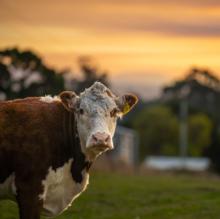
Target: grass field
115 196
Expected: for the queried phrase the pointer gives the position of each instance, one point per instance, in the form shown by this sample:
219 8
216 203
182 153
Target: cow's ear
126 103
69 100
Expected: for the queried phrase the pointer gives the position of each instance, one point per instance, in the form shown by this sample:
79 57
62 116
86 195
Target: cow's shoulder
31 124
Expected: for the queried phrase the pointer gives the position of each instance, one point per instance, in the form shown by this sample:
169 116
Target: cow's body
39 154
42 162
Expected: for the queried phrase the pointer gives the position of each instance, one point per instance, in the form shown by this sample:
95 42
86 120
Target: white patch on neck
60 189
49 99
8 188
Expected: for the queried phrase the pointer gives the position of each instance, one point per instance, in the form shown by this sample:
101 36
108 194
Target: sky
142 44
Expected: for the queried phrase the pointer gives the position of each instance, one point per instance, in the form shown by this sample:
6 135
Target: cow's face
97 111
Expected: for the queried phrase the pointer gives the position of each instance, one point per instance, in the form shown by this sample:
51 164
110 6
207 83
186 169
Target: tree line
23 73
158 121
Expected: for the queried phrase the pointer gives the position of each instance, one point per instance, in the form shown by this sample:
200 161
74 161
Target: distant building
177 163
126 147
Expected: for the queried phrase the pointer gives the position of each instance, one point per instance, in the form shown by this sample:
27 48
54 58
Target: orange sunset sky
143 44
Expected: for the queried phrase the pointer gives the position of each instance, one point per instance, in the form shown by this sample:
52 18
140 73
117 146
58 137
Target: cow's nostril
107 139
94 138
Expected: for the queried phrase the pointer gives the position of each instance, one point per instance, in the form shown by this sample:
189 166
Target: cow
48 144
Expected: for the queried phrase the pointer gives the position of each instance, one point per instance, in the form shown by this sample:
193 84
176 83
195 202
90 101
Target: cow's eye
81 111
114 112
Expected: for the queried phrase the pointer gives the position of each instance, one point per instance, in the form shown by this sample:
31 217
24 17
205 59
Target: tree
201 88
200 133
203 96
158 130
24 74
213 151
90 74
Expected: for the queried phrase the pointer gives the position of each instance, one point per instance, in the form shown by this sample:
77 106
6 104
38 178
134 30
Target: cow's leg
29 204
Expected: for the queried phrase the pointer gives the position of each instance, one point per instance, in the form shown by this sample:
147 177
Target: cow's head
97 110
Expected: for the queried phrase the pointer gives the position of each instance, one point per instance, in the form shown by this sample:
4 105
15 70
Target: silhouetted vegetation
23 73
201 89
199 134
213 151
158 130
90 74
158 121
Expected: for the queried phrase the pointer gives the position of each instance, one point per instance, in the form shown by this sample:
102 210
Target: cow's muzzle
100 140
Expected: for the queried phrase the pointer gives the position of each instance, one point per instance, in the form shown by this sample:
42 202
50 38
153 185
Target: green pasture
118 196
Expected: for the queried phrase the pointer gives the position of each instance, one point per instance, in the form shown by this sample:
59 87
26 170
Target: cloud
172 17
177 28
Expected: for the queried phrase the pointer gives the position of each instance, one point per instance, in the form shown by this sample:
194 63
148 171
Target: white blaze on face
94 115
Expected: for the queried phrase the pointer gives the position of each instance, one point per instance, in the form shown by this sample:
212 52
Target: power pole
183 137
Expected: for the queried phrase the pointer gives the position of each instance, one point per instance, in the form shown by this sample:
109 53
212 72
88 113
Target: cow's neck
80 164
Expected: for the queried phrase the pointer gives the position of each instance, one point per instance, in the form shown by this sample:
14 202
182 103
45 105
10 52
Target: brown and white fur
47 146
